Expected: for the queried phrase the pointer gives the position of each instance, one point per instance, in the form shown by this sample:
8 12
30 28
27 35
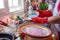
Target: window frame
2 5
16 8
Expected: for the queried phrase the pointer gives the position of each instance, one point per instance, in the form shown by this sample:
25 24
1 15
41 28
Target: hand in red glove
39 20
44 13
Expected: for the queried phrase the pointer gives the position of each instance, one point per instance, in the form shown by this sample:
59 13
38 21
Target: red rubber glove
3 23
40 11
44 13
39 20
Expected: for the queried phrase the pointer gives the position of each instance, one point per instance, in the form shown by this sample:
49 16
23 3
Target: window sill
14 9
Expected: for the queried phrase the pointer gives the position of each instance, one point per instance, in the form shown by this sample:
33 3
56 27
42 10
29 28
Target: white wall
5 10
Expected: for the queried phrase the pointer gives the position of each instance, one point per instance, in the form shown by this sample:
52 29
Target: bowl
6 36
32 15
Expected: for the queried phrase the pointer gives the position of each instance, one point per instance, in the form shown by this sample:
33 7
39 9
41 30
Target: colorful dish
35 30
33 14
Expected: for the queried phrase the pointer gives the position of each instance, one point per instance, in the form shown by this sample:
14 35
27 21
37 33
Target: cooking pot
35 32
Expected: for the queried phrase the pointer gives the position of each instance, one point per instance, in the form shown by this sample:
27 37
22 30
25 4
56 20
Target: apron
55 13
56 27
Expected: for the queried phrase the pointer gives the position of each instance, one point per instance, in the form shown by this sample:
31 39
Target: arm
39 20
54 19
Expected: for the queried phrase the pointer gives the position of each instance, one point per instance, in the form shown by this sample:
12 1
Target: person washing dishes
42 12
52 19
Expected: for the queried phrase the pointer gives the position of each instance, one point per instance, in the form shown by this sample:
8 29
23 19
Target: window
1 4
15 5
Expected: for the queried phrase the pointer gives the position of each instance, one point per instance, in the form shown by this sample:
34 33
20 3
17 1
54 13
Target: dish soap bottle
21 20
30 9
